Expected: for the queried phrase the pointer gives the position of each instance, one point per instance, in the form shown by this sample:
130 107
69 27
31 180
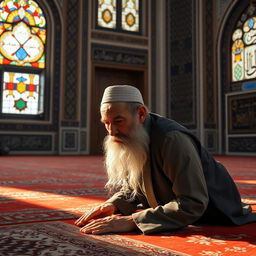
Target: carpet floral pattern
41 196
56 238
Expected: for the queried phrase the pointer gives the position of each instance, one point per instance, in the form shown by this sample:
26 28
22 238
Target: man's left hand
113 223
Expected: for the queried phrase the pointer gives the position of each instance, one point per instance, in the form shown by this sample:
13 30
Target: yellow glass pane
130 15
107 13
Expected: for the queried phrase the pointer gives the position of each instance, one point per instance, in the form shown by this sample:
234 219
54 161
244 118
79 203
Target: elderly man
162 177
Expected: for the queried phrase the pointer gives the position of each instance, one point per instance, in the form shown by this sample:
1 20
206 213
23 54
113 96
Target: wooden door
104 77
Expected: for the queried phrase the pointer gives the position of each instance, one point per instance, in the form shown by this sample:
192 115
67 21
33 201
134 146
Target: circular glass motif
107 15
130 19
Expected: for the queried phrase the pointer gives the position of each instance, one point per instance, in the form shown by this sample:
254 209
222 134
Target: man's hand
113 223
106 209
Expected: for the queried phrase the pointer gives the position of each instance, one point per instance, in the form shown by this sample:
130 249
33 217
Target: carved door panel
103 77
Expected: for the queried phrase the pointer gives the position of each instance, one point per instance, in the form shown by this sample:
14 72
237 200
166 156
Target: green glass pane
20 94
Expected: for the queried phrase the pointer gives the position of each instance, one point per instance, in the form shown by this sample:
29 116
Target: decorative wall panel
242 145
69 140
24 142
181 65
84 61
242 113
209 102
119 55
71 82
118 38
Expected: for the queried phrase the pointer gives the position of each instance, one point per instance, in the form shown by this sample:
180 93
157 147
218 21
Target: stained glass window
130 15
119 15
21 94
22 44
22 33
244 51
107 13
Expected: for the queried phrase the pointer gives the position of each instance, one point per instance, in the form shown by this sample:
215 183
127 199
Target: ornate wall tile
84 64
119 38
181 65
210 106
241 110
119 55
69 140
242 144
25 142
71 82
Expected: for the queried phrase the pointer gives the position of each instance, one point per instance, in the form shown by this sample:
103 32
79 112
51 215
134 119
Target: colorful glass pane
21 94
250 62
244 51
237 59
107 13
22 33
249 29
130 15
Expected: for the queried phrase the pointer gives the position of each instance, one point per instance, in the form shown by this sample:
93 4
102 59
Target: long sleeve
182 166
124 203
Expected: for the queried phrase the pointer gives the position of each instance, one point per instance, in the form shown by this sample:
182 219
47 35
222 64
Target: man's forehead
113 107
114 110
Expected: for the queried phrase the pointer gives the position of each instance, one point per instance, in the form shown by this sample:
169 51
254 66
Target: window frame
41 73
42 82
118 28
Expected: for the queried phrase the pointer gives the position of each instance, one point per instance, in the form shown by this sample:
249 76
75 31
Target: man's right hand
97 212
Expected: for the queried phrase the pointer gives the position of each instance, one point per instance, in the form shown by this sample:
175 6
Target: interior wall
236 138
40 136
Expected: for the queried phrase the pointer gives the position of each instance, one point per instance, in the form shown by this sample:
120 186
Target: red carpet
49 188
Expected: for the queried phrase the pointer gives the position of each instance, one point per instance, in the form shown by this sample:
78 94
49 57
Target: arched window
22 57
243 49
119 15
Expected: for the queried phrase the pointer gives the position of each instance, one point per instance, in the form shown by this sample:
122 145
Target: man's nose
112 131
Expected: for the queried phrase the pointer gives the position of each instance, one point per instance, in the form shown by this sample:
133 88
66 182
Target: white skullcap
122 93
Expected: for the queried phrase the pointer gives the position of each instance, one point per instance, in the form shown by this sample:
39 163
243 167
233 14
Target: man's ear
142 113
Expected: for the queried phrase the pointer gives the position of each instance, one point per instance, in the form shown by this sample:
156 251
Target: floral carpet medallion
59 239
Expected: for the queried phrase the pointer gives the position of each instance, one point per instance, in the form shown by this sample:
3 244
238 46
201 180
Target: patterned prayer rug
207 240
49 188
40 188
59 239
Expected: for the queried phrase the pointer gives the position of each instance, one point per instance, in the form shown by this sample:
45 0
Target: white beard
124 162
